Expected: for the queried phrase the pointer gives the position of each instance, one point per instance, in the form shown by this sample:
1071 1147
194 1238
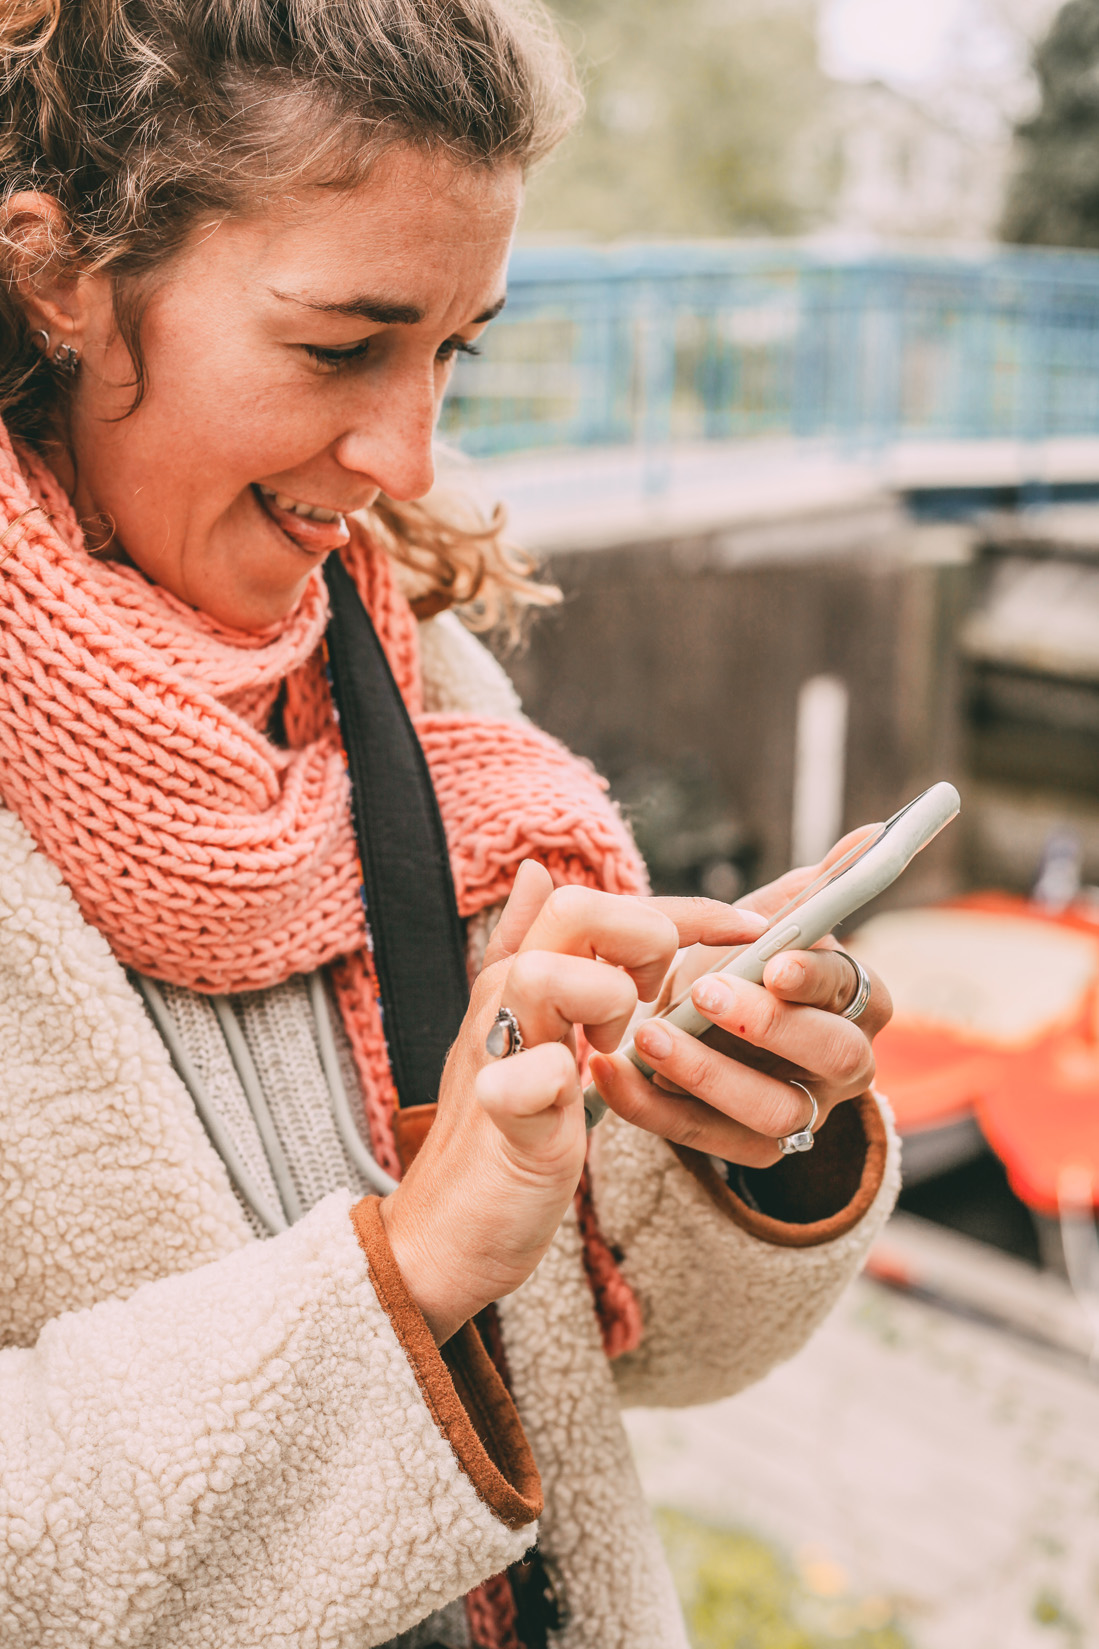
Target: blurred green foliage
1053 199
738 1593
703 119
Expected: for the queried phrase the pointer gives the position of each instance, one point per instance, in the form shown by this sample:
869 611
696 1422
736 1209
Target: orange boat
995 1038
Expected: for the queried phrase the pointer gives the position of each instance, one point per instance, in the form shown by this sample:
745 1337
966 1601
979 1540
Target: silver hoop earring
66 359
41 332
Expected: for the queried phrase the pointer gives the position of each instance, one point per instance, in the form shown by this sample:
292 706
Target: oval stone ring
792 1144
504 1037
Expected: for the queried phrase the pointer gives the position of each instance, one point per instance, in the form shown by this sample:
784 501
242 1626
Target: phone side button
778 941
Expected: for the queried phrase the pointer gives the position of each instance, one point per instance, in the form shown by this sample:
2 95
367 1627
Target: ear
35 229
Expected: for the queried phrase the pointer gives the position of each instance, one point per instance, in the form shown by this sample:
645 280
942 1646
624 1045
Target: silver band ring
791 1145
857 1005
504 1037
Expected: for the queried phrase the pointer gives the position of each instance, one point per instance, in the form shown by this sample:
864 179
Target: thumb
532 887
767 900
863 836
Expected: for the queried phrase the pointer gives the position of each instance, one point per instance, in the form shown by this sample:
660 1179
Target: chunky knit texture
133 747
205 854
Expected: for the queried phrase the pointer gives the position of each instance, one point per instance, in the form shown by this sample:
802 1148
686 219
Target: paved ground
945 1466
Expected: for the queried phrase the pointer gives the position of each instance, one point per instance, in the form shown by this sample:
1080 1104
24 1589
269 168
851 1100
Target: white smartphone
859 876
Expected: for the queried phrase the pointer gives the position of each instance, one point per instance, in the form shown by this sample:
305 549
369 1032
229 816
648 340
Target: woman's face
295 360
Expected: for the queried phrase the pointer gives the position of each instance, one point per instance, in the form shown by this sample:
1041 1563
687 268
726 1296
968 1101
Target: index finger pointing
710 922
611 927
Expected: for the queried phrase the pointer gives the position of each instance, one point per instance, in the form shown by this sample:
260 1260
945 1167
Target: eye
455 346
343 356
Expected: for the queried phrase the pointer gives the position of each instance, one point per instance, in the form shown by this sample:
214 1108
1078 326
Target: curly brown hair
142 116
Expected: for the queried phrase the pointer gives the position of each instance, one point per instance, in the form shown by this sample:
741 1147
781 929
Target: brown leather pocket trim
465 1396
410 1129
802 1184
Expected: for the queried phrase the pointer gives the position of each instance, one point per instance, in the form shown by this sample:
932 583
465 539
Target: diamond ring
792 1144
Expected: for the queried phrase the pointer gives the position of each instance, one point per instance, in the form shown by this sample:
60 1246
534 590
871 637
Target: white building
928 157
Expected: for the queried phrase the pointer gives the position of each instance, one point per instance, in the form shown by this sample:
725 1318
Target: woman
243 1402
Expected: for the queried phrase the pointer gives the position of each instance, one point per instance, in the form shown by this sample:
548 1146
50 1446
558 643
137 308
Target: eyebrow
378 310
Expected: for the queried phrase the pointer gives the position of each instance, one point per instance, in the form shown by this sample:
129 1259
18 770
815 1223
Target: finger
831 1049
771 898
861 834
710 922
765 1104
630 933
827 979
534 1098
683 1120
549 994
532 887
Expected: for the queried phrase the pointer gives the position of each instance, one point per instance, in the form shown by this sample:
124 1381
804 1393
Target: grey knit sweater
255 1068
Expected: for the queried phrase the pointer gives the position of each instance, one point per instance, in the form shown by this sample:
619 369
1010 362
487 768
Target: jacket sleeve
266 1450
734 1271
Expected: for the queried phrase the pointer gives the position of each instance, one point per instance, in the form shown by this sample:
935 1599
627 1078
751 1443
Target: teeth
311 512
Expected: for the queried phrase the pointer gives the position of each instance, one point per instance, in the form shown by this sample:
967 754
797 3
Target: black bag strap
419 949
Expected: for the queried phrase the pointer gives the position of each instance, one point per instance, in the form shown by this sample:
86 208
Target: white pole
820 753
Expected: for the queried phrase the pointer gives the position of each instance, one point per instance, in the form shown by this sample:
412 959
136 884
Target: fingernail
653 1040
598 1068
712 995
788 975
751 919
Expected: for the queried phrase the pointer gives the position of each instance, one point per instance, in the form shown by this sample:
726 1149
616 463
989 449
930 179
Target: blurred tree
1053 198
702 116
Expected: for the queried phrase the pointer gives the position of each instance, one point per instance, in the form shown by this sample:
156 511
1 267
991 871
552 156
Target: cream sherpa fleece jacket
211 1440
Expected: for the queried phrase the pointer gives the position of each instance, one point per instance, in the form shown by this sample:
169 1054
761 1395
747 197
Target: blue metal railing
652 345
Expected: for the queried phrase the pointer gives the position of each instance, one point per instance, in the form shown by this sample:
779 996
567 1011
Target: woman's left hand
732 1096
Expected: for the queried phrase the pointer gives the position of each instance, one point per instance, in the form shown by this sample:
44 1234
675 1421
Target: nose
391 442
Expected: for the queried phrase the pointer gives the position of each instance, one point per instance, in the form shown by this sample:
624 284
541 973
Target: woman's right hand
480 1204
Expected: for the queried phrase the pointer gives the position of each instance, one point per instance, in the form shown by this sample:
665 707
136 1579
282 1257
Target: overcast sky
915 42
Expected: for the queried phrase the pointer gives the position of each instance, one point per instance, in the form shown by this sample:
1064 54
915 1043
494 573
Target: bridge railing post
656 335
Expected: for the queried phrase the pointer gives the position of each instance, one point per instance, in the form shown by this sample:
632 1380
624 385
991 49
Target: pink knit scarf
133 746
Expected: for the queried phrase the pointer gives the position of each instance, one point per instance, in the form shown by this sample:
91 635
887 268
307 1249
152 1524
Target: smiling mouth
309 527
